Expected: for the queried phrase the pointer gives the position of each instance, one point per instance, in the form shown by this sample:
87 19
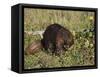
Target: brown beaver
57 38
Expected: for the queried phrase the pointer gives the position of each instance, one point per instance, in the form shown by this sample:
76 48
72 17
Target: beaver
56 38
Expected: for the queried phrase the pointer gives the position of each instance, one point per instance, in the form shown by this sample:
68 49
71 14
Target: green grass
80 54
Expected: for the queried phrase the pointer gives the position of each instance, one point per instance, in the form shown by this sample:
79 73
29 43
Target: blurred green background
80 23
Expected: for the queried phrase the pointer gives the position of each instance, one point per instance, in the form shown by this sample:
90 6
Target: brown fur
56 38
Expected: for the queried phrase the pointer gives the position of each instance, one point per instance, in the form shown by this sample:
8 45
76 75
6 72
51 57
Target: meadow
80 23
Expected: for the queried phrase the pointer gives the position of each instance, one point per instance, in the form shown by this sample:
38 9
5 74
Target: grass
78 22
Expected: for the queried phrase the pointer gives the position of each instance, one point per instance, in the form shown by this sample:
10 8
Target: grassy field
80 23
